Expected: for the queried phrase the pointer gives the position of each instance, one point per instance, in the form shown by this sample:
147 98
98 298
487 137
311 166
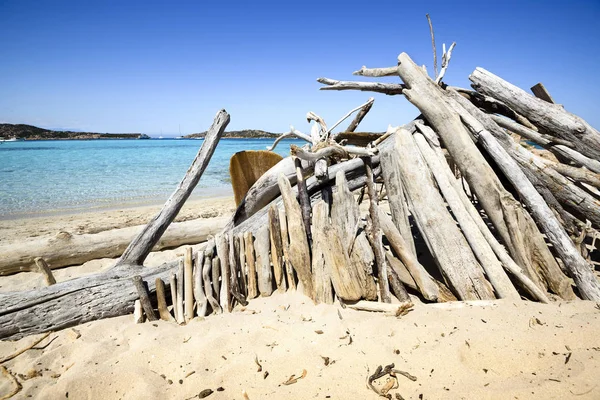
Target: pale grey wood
345 216
45 271
386 88
552 118
180 292
263 262
206 277
235 268
580 270
199 296
393 309
507 262
285 240
138 249
299 253
395 193
320 269
516 228
428 287
222 243
173 287
401 270
163 310
65 249
303 197
138 312
276 248
360 116
540 91
242 260
445 242
491 265
250 259
144 298
376 72
188 263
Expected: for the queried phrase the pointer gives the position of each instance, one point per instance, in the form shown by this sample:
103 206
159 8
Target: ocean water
41 177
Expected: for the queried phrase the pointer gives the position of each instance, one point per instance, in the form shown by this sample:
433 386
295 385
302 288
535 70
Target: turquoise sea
41 177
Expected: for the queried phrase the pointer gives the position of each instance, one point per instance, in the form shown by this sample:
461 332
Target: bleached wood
222 243
445 62
481 248
163 311
500 251
293 133
376 72
45 271
243 268
189 284
345 216
180 292
299 253
144 298
206 277
552 118
138 249
276 248
364 109
401 270
332 150
234 266
560 150
173 287
138 312
580 270
372 306
539 91
320 269
386 88
424 282
263 262
516 228
303 196
66 249
199 296
285 240
250 259
435 70
459 267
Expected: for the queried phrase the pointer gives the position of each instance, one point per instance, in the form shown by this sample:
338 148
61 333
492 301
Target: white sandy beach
504 350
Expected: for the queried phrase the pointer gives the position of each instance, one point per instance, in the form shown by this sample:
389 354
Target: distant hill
246 133
30 132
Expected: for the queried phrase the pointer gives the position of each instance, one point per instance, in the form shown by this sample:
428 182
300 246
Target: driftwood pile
475 212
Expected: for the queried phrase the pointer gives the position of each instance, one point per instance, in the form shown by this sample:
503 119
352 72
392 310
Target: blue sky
152 66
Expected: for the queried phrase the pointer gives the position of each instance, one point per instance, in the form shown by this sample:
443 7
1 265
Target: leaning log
138 249
552 118
320 269
276 248
263 262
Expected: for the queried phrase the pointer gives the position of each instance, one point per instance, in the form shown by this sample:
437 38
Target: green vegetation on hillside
246 133
30 132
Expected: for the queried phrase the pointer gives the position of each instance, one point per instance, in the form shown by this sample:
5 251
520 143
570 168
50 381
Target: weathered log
394 309
395 193
303 198
188 284
201 300
500 251
222 243
386 88
180 293
285 240
539 91
252 284
460 268
242 260
276 248
552 118
516 228
561 151
45 270
360 116
138 249
320 269
580 270
163 311
481 248
375 236
216 276
66 249
263 262
402 272
142 292
345 216
396 285
299 253
173 287
206 277
429 288
235 268
138 312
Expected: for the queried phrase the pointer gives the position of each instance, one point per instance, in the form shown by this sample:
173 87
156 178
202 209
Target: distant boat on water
12 140
143 136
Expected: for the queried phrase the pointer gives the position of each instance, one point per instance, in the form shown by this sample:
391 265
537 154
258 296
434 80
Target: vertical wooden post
189 285
180 290
276 248
249 244
163 311
144 298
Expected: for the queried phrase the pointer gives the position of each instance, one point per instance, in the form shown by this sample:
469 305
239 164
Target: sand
502 350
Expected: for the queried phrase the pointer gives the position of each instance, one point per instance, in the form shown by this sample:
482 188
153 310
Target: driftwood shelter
490 192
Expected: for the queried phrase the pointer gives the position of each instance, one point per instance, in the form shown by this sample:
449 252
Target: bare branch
292 133
377 72
329 151
386 88
433 45
321 134
366 106
445 62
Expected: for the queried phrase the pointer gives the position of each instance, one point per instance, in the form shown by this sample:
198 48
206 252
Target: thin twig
15 382
292 133
433 45
445 62
367 104
23 350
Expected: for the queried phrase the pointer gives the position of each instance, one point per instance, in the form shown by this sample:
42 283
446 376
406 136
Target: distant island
30 132
244 134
